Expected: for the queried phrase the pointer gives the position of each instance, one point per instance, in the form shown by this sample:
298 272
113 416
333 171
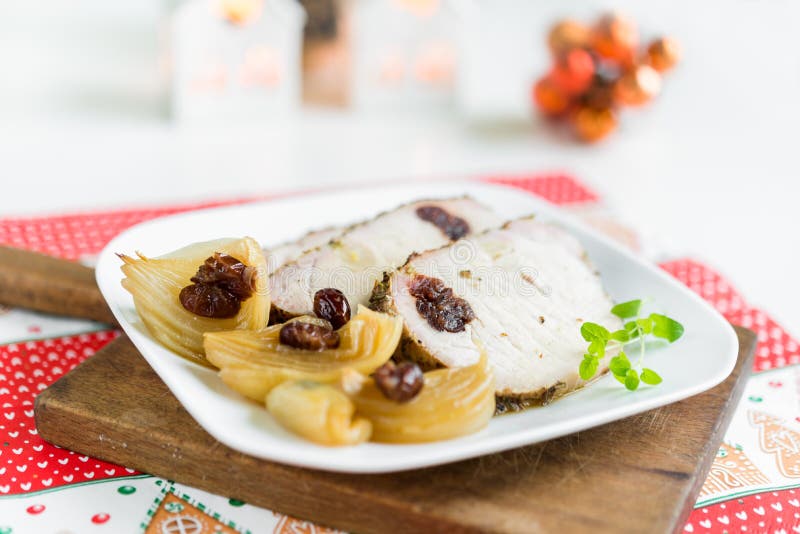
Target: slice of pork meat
282 254
521 291
355 260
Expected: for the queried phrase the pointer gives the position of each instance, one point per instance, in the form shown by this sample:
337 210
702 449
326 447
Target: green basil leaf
632 329
626 310
621 335
593 331
597 347
666 328
632 380
620 365
588 367
649 376
645 324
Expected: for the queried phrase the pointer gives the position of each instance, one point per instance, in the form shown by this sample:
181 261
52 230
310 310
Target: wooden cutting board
641 474
51 285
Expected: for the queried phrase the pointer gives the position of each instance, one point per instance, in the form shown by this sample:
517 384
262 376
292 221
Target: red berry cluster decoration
599 68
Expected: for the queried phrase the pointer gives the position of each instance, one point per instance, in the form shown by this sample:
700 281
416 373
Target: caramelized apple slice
453 402
156 285
318 412
253 362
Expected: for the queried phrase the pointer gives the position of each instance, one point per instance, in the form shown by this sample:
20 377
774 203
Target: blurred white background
710 169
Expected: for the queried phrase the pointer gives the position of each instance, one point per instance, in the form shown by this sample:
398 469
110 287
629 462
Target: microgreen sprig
635 328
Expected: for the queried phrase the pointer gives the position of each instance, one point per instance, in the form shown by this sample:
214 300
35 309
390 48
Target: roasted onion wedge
253 362
318 412
156 283
453 402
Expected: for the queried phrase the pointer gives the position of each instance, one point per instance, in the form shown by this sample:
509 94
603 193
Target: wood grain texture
52 285
640 474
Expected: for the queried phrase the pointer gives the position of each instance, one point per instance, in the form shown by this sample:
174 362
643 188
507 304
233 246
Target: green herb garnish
599 338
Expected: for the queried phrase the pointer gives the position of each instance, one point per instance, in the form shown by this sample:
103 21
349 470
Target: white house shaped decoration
236 60
405 53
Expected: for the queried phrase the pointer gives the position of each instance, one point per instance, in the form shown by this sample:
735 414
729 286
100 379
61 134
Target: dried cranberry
331 304
399 383
452 226
209 301
308 336
437 303
220 286
228 273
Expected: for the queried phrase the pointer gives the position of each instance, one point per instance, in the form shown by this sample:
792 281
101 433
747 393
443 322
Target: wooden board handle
52 285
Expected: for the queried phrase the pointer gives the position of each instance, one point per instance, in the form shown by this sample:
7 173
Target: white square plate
701 359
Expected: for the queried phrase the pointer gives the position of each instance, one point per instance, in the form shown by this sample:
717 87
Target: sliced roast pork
355 260
284 253
521 291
